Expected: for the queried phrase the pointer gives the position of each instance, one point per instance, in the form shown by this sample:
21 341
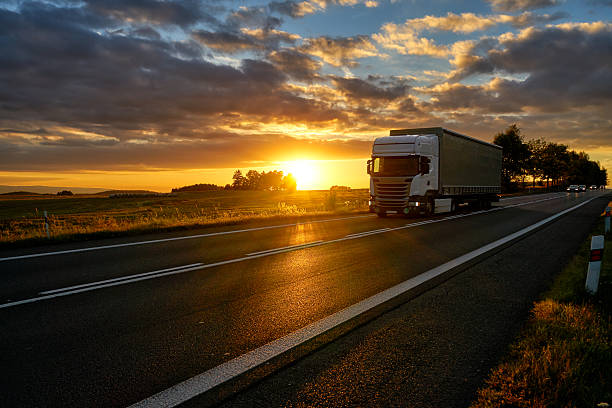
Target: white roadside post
592 279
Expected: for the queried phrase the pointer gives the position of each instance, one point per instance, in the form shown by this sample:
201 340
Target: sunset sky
160 94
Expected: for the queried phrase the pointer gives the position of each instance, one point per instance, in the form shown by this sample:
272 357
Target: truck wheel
429 208
382 214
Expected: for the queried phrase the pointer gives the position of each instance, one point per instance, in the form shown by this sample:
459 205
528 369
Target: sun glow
306 173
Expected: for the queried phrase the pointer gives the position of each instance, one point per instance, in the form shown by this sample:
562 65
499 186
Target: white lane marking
119 279
367 232
517 197
298 246
154 275
201 383
155 241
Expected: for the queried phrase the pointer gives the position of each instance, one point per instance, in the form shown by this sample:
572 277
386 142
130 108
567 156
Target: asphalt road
113 325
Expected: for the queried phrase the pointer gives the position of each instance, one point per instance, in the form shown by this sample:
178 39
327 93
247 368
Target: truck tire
382 214
430 207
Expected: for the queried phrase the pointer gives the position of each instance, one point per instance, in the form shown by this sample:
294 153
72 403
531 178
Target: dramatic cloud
405 38
298 9
231 150
358 89
565 67
341 51
297 65
257 39
516 5
112 85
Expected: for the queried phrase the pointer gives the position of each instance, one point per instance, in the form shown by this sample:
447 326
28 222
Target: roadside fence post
47 225
592 279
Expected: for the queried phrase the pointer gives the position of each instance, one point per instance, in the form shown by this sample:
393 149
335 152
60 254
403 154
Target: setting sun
306 173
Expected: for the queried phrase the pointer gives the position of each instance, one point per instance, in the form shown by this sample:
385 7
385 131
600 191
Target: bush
330 201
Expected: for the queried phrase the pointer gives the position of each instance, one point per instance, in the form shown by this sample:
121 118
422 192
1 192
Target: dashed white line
98 283
293 247
188 268
155 241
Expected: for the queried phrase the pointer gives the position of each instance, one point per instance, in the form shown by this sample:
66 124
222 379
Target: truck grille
392 193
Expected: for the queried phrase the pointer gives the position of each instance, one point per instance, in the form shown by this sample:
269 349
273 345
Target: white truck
432 170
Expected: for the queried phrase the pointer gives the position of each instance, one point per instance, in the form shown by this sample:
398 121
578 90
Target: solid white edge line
224 372
155 241
84 285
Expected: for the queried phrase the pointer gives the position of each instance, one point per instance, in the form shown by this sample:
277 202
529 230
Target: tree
272 180
252 180
554 161
515 154
239 181
534 163
289 182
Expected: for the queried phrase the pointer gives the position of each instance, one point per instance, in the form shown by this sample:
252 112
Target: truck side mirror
425 164
369 167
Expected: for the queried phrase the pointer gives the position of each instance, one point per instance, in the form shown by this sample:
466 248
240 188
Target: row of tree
272 180
550 162
254 180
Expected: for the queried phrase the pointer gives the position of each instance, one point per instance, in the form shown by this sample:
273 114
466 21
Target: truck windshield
400 166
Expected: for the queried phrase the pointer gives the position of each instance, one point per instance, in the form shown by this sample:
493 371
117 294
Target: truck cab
403 173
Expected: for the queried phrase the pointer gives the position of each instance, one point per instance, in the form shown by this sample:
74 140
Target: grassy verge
563 357
93 216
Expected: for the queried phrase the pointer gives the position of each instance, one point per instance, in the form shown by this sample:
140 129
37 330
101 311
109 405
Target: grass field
563 357
96 215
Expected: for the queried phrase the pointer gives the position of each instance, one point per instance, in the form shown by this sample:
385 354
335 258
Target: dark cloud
516 5
233 42
252 17
297 65
529 19
288 8
358 89
227 42
146 32
227 150
178 12
340 51
566 67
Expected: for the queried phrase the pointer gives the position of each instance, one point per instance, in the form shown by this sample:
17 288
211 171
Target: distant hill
47 189
20 193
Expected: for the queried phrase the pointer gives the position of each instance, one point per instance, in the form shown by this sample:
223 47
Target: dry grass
563 357
92 216
562 360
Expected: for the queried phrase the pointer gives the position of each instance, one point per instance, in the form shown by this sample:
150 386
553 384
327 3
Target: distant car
593 187
582 187
574 188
